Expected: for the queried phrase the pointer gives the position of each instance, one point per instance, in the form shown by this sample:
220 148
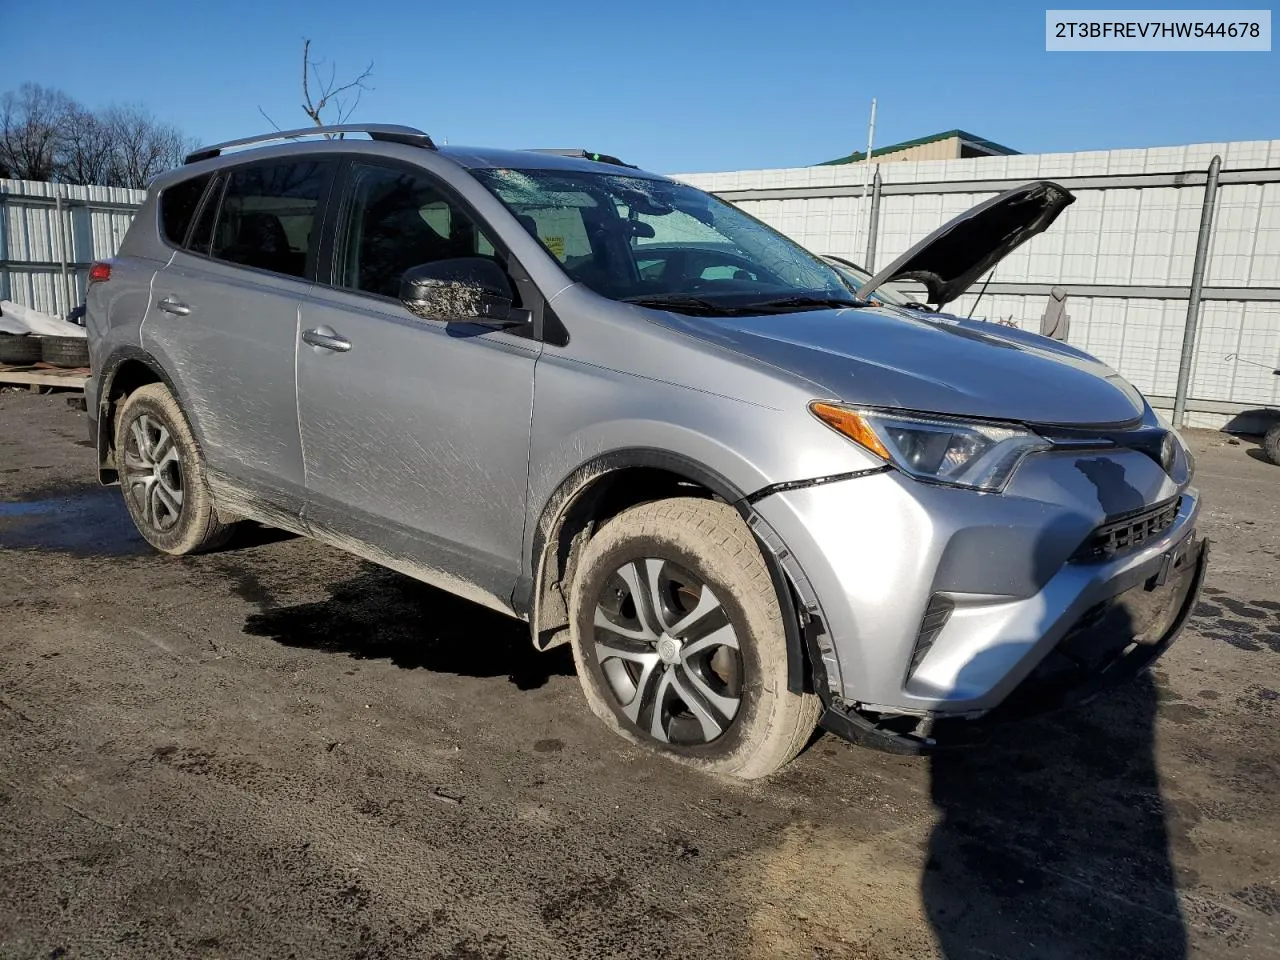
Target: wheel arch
125 370
603 487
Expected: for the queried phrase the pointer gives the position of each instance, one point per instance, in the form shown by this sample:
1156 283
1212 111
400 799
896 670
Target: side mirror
461 289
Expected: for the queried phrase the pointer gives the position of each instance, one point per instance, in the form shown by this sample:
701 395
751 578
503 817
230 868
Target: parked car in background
855 276
620 409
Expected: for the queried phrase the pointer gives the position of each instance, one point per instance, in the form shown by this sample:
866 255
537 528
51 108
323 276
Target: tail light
100 272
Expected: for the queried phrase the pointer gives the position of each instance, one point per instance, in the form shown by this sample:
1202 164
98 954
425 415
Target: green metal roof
932 138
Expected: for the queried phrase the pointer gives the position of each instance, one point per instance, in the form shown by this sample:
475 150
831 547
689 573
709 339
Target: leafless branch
328 89
275 126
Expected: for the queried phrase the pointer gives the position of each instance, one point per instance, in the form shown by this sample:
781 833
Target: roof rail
584 155
387 132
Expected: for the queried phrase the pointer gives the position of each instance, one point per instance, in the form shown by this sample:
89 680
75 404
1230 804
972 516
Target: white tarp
15 318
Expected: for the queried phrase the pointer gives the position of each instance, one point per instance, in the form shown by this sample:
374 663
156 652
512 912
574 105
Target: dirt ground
281 751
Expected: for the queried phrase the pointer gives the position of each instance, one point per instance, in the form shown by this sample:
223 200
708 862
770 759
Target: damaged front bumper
934 613
1101 650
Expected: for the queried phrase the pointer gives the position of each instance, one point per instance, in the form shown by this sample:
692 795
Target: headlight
981 456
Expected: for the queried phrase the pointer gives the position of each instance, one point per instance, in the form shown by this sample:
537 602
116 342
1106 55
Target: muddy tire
679 641
162 475
1271 444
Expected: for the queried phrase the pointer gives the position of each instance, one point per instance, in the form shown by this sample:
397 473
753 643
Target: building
949 145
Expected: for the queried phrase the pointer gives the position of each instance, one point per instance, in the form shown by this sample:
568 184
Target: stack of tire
20 349
25 350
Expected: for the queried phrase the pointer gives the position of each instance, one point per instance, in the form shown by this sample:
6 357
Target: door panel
416 439
232 356
415 433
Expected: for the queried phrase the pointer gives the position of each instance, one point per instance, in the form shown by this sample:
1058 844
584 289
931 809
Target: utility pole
866 175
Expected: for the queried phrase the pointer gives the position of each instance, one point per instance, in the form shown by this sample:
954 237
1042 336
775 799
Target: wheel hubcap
669 654
153 473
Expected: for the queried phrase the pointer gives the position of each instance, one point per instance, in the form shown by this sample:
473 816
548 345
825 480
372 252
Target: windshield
665 244
857 276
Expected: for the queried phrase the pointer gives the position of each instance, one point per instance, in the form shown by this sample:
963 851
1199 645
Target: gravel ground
279 750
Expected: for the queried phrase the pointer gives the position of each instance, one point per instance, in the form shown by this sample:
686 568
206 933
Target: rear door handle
175 306
326 339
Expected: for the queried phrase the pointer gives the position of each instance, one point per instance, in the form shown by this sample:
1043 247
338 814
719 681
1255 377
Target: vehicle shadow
380 614
1051 839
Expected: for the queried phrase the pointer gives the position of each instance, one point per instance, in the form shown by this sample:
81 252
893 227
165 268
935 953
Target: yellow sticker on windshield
556 246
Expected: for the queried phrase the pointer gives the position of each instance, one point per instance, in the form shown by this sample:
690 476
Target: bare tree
342 98
86 149
46 135
32 121
141 146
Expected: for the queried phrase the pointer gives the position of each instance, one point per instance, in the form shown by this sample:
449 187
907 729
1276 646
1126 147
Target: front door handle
326 339
175 306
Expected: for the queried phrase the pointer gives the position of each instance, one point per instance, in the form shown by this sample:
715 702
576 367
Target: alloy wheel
153 472
668 651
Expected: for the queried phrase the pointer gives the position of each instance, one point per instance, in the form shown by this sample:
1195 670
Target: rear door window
178 205
268 216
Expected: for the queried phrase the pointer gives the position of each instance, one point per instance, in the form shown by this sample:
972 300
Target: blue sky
673 86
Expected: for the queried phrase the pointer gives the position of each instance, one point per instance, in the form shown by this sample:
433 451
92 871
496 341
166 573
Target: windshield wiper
784 304
684 304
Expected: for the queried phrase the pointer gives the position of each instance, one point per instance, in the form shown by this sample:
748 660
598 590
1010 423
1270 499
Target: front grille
1127 533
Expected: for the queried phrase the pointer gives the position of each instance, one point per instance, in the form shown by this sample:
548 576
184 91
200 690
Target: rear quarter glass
178 205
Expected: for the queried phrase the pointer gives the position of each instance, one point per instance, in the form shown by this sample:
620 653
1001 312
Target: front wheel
678 638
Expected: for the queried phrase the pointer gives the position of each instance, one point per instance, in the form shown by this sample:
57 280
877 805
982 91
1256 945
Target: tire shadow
380 614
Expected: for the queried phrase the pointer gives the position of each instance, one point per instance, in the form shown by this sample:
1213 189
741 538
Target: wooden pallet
45 375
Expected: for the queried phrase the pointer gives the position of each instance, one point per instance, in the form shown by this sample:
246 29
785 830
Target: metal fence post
1197 285
61 231
6 277
873 223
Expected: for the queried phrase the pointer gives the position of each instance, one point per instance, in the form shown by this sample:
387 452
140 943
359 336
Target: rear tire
1271 443
679 642
162 475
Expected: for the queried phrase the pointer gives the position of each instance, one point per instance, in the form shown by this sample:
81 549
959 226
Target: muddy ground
281 751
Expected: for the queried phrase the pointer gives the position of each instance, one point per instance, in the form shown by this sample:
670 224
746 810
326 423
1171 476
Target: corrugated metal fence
49 235
1123 252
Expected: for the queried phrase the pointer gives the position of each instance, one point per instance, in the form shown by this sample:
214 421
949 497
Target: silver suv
750 496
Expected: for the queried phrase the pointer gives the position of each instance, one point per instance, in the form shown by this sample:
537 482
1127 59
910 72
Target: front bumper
1099 652
937 604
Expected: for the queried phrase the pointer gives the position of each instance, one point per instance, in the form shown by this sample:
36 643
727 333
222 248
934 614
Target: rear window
178 205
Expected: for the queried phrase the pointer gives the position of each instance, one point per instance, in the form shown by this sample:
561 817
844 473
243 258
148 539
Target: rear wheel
678 638
162 475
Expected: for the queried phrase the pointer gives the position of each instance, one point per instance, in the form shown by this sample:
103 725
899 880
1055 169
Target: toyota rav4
751 496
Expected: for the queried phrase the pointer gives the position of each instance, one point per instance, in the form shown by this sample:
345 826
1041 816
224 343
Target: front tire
162 475
678 638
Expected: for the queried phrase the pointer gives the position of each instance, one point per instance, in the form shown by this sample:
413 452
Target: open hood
950 259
